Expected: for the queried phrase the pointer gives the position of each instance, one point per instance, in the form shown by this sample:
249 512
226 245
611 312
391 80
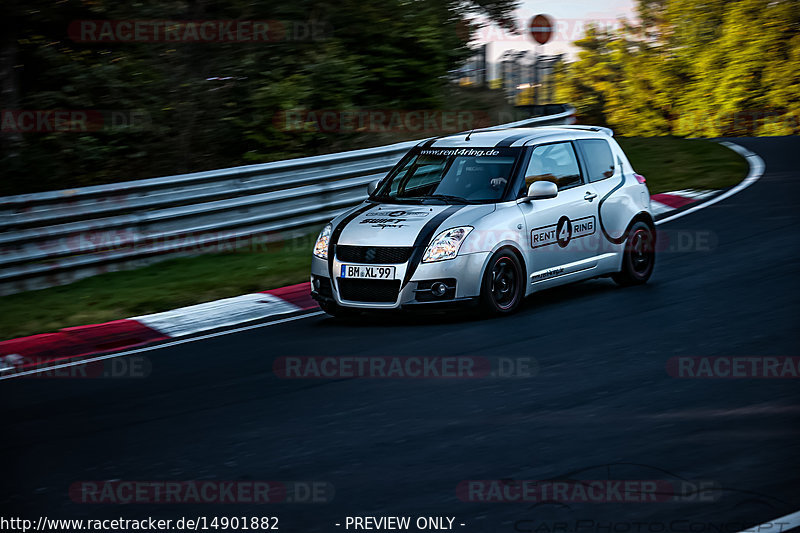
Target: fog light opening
438 289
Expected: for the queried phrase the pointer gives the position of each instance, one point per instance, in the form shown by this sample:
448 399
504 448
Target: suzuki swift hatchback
488 218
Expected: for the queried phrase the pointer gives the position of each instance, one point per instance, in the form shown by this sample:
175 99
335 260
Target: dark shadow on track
537 302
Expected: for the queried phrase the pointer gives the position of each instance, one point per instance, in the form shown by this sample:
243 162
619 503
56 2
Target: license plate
367 272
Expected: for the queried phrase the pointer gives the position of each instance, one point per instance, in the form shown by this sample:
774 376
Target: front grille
369 290
373 255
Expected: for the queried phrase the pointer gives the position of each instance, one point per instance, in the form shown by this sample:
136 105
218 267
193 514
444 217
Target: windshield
451 175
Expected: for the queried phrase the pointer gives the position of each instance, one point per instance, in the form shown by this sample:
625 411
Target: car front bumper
464 272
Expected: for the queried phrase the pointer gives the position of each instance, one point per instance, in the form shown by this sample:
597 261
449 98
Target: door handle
590 196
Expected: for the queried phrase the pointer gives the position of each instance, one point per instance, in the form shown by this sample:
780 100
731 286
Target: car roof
512 137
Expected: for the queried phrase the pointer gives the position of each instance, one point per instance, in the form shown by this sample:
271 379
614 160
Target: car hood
399 224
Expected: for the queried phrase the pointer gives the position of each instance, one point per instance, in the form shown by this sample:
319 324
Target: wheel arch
642 216
506 246
514 251
622 276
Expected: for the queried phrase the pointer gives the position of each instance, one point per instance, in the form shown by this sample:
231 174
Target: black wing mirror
372 187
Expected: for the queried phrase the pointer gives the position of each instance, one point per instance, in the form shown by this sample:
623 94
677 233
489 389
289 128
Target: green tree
720 67
213 105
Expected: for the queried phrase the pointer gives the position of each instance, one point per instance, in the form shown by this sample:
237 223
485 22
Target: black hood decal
337 232
424 237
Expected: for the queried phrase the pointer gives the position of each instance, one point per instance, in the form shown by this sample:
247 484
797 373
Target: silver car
488 218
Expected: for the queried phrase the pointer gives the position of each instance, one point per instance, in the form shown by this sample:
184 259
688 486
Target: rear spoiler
607 131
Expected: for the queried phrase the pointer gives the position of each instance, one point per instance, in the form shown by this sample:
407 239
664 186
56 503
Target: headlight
446 244
321 246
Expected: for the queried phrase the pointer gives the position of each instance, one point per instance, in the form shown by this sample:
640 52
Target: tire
336 310
503 284
639 256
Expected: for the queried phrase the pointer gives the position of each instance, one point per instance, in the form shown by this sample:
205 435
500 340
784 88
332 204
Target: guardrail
57 237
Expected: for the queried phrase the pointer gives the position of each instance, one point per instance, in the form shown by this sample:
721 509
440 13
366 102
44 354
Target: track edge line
757 167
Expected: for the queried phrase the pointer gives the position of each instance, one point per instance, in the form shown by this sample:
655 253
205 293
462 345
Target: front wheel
639 256
503 286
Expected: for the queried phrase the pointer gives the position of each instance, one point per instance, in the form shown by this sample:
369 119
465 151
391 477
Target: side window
554 162
599 159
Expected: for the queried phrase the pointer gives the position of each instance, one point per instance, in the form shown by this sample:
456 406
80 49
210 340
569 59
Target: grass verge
668 163
673 164
166 285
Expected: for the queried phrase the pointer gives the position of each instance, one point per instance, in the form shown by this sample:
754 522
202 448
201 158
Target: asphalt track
602 405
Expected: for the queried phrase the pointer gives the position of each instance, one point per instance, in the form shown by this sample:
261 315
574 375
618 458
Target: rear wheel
503 286
639 256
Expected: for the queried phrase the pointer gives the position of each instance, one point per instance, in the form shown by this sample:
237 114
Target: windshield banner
469 152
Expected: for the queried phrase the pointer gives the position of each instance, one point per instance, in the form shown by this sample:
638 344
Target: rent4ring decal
563 232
